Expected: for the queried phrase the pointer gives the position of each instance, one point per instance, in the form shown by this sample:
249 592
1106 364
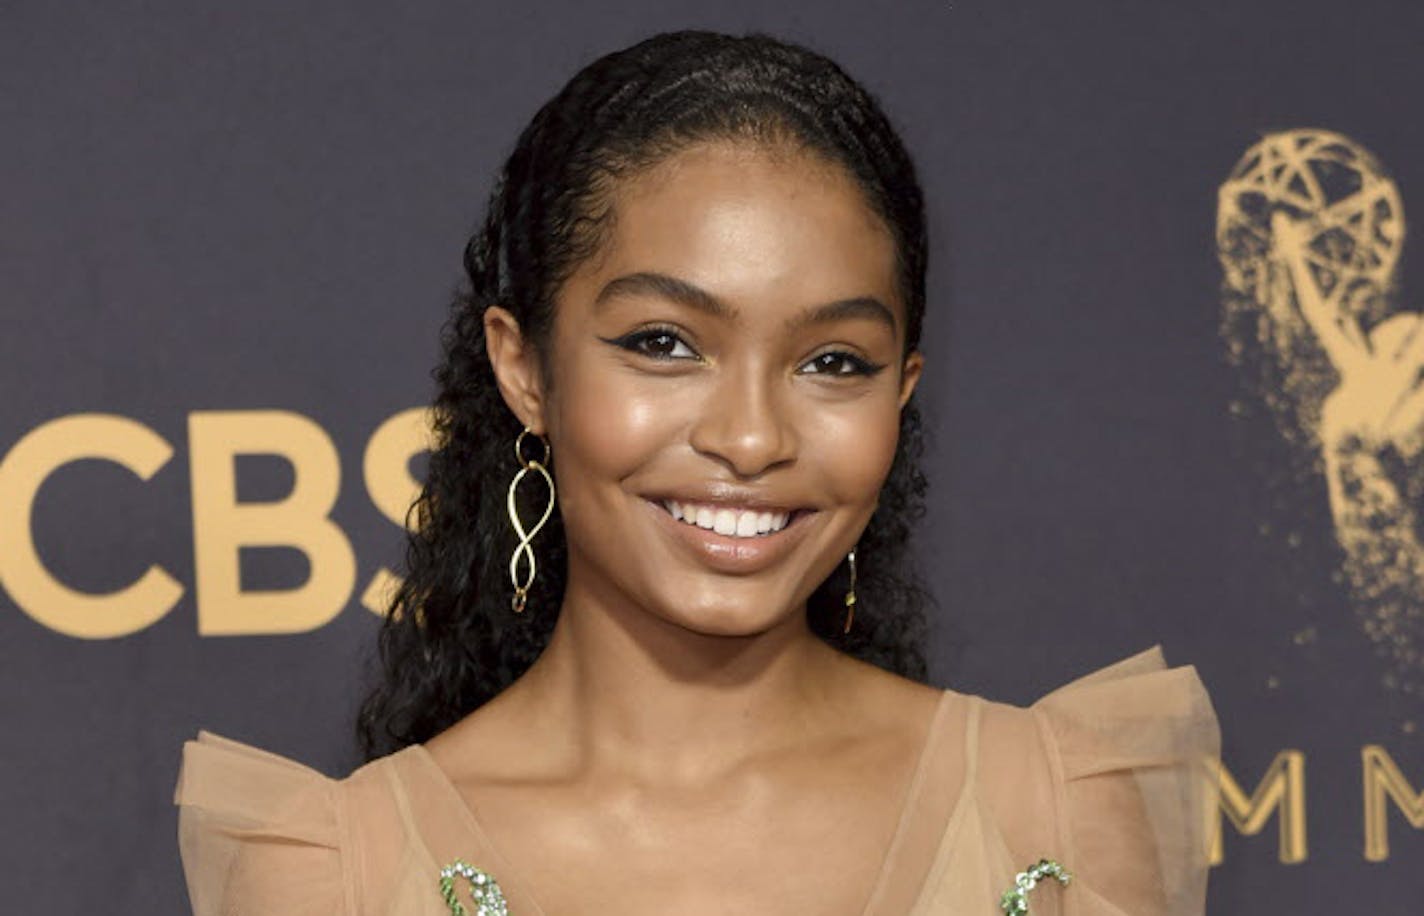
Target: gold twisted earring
850 594
525 538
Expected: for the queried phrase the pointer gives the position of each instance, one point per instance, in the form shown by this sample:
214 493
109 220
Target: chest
815 848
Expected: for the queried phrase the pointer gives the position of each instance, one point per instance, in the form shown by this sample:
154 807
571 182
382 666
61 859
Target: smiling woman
725 350
697 297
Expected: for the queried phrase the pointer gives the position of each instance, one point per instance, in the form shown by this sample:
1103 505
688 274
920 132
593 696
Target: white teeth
727 522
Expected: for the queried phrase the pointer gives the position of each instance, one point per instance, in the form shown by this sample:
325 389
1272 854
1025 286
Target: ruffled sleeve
1131 748
259 835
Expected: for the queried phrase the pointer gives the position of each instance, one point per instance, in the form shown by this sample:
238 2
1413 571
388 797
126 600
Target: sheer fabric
1107 774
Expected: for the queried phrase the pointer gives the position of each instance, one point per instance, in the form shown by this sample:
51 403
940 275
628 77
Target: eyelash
633 341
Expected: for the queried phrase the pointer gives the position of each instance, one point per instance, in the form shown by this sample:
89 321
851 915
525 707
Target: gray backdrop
261 207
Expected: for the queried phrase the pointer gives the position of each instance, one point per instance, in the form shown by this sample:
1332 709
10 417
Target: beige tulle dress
1107 775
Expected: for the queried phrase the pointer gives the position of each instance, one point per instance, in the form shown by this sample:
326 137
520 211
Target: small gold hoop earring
524 548
850 594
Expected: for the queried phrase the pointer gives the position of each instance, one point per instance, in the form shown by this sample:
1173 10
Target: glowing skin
681 676
737 402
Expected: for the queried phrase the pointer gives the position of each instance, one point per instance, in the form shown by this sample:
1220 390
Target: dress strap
402 801
971 740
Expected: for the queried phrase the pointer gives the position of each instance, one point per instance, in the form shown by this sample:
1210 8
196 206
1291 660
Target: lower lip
732 554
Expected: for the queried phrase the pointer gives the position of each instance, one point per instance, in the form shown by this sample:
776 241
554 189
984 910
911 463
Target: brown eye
839 362
661 345
656 343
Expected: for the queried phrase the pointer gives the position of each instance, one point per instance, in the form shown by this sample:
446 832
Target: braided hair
450 640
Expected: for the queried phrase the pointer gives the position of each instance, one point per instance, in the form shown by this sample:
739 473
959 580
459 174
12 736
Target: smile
727 520
712 535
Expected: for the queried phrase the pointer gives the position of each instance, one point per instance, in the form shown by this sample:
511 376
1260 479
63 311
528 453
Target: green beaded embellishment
484 890
1015 899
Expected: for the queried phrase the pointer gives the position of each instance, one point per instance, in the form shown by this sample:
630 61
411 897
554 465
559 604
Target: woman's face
732 355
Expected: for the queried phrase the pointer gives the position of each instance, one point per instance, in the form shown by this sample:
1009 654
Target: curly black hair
451 641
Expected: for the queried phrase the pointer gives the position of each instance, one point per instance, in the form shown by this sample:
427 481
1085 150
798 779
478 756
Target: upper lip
731 497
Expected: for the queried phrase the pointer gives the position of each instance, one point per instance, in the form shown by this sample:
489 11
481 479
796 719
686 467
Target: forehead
768 229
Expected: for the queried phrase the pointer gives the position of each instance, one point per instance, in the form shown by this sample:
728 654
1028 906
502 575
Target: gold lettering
24 470
386 468
1281 790
1383 777
221 525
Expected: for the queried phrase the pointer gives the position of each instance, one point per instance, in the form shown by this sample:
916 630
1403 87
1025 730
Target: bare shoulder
887 694
890 718
484 745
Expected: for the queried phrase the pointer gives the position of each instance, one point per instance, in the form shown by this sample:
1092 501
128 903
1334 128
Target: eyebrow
651 283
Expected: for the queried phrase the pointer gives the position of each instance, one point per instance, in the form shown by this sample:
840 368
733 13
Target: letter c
23 471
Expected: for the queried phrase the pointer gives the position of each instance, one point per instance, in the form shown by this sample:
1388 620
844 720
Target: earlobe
515 365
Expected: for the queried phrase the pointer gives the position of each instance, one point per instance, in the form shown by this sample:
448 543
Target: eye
656 343
841 363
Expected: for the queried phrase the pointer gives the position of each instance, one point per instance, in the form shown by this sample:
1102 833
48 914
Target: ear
516 367
910 375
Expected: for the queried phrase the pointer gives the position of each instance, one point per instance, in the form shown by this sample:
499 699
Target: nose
745 421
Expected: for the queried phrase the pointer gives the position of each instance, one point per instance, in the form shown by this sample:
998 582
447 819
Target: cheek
854 448
608 427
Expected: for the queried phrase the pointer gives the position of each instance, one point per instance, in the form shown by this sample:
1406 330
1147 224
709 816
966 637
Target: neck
620 689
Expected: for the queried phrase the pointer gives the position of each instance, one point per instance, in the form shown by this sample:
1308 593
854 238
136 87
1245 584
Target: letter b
222 525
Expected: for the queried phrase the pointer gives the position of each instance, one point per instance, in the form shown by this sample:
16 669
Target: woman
697 299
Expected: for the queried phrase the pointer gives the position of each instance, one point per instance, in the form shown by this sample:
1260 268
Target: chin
722 620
